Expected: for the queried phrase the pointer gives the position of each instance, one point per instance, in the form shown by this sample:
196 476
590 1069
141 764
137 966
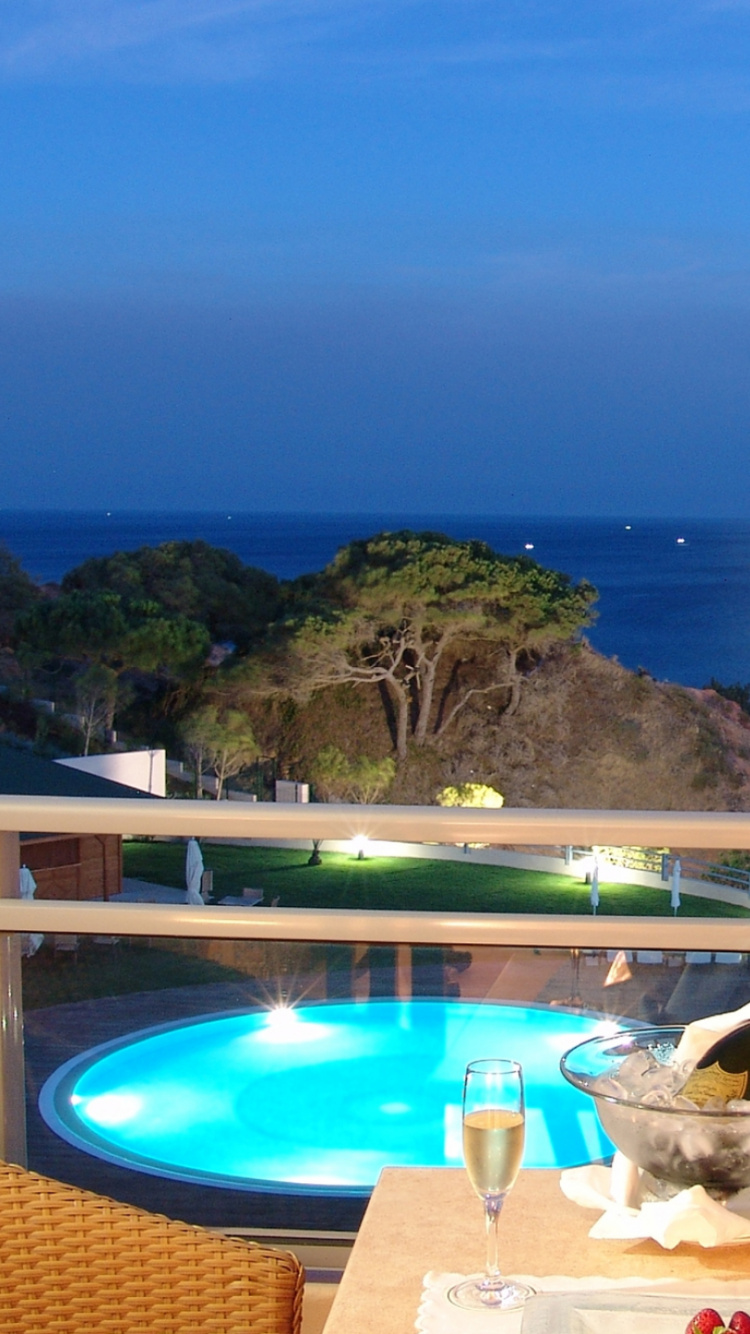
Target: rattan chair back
79 1263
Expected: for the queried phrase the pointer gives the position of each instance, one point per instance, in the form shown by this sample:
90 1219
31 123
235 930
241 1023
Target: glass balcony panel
338 1036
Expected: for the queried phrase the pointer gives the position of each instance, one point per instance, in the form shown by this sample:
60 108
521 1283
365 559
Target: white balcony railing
707 830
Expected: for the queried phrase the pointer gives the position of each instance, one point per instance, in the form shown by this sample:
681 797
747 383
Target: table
429 1218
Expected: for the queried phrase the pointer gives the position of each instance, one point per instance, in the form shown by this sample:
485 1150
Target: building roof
24 774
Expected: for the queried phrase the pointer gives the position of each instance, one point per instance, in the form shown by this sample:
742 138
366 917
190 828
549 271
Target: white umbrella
674 897
26 883
594 893
30 940
619 972
193 871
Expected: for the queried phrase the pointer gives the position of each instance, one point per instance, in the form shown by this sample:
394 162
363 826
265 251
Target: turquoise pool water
321 1097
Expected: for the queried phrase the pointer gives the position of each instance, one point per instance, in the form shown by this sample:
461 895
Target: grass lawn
102 971
402 883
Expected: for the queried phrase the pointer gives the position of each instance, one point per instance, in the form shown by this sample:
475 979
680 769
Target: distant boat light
628 527
680 541
529 546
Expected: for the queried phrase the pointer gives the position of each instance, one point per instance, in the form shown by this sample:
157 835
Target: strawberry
708 1320
740 1323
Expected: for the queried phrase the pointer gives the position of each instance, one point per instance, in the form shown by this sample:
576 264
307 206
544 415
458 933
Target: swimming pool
317 1099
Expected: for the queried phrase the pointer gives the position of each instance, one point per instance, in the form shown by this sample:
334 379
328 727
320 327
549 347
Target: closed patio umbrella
30 940
674 896
26 883
193 871
594 893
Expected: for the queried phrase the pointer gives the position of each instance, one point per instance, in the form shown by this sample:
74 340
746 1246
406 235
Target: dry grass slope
588 734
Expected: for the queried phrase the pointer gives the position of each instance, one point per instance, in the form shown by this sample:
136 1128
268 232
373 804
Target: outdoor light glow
615 874
282 1016
284 1024
112 1109
606 1029
599 862
359 843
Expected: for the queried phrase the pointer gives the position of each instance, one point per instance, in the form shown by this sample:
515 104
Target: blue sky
330 255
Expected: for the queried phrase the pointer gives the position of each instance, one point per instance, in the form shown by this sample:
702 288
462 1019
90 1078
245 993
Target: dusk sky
323 255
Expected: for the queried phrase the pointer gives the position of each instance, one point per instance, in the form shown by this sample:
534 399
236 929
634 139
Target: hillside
467 664
587 734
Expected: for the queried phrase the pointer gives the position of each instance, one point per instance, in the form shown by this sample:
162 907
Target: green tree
18 592
220 739
430 621
192 579
362 780
103 627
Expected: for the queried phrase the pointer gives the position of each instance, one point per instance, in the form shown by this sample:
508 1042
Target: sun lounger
65 944
250 899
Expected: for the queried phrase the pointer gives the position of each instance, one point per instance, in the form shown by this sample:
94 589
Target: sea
674 595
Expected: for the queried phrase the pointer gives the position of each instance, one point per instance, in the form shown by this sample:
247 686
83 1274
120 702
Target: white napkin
437 1315
690 1216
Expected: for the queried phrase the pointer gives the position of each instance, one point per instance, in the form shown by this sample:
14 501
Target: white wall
288 791
145 770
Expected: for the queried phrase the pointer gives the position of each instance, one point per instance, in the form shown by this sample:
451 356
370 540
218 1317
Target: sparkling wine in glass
493 1134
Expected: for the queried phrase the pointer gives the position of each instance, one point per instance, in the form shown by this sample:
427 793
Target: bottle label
713 1082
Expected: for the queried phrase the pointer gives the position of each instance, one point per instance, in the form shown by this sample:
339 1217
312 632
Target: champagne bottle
723 1071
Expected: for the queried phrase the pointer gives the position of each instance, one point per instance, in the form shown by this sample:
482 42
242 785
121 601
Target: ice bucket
687 1148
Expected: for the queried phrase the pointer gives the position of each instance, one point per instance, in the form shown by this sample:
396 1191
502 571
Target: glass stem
492 1207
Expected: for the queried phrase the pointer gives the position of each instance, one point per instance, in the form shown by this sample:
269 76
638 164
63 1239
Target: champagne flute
493 1134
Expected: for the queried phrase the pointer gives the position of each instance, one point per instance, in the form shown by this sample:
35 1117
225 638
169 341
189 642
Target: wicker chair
78 1263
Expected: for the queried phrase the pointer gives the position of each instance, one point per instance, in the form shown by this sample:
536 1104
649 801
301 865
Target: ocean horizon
674 594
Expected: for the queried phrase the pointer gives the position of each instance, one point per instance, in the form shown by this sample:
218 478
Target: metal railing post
12 1075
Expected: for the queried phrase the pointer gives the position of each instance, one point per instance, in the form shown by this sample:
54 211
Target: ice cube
657 1097
608 1087
715 1104
634 1067
696 1141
